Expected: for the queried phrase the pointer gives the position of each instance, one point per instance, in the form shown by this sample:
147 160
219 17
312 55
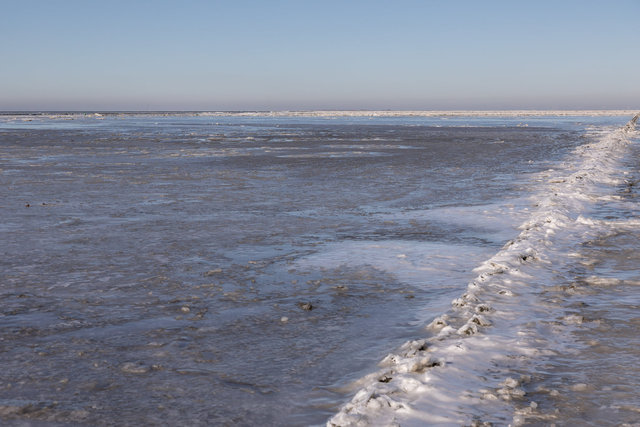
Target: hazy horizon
344 112
284 55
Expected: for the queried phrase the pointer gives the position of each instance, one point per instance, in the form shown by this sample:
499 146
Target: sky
306 55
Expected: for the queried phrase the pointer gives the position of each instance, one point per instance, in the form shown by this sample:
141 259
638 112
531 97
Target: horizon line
351 112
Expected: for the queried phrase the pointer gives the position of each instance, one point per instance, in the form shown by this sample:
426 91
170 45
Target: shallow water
155 268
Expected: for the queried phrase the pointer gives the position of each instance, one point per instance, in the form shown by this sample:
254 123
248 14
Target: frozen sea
386 268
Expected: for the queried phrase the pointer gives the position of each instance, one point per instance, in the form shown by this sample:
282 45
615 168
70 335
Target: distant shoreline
330 113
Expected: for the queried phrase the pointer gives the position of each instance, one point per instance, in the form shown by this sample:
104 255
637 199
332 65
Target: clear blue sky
274 55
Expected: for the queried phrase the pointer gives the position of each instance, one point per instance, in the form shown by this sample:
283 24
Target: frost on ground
474 366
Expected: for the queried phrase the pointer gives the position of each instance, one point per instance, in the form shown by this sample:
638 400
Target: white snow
464 369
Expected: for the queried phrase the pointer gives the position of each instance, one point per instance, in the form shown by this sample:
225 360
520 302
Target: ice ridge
464 372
